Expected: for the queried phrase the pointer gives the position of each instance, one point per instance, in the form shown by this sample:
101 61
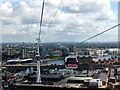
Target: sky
75 21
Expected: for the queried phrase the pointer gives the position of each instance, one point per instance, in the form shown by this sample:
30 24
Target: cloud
6 9
74 21
81 6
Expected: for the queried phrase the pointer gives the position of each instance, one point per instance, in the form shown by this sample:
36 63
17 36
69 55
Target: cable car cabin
71 62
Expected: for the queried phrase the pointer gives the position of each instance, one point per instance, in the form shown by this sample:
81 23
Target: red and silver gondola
71 62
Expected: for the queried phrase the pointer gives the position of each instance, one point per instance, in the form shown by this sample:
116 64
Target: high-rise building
24 52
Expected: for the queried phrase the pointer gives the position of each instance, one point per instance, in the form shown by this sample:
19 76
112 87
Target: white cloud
74 21
6 9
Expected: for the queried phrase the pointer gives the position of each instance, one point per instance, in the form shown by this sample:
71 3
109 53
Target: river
61 61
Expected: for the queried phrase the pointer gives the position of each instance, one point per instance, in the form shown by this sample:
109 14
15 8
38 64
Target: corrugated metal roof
81 75
79 78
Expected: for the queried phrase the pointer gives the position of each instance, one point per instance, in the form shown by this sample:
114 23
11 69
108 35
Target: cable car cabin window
71 61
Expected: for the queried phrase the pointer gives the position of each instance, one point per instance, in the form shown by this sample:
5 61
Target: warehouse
47 77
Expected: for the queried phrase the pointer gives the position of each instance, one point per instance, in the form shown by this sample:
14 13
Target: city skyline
74 21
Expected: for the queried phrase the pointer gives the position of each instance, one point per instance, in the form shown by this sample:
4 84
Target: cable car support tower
38 57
